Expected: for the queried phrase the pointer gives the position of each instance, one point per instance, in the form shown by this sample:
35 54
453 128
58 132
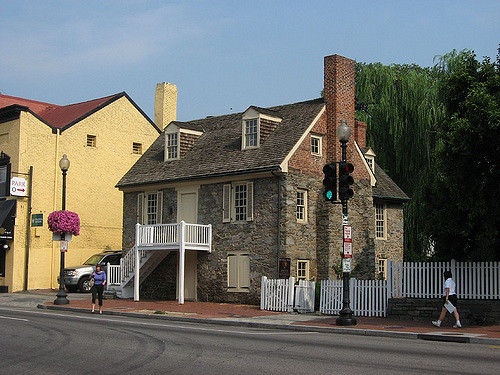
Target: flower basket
64 222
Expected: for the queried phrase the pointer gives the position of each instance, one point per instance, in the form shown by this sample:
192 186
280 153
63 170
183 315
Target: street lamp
61 295
346 314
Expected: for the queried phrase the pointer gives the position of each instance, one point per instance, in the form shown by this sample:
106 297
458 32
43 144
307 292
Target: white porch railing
180 236
475 280
114 276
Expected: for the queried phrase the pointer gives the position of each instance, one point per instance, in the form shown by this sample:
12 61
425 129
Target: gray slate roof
218 150
386 188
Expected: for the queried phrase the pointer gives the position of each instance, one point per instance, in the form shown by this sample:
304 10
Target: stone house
256 177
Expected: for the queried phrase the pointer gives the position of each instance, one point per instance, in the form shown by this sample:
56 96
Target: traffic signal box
330 182
345 181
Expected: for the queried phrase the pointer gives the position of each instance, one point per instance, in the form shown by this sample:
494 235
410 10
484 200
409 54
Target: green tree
466 192
402 108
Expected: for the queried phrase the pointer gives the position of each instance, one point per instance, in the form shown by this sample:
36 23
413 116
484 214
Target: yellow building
102 138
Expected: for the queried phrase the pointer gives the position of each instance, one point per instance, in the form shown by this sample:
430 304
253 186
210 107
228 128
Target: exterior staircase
152 244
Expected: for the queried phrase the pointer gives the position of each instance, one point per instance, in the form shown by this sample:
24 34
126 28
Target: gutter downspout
278 221
28 229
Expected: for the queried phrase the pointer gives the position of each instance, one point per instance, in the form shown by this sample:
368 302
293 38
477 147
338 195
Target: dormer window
251 133
172 146
370 158
257 125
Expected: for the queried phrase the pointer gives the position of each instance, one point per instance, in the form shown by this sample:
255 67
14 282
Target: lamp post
61 295
346 314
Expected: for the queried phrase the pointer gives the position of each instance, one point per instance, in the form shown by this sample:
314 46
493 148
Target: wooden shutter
140 208
159 211
226 203
232 271
244 271
249 201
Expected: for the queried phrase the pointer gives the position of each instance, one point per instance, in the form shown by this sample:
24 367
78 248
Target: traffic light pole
346 314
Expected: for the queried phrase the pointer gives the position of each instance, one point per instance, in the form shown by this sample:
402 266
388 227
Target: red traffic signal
345 181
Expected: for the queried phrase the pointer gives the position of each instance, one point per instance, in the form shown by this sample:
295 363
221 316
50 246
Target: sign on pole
64 246
346 265
18 186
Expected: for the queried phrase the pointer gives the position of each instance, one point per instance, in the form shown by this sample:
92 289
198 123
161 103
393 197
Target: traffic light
330 182
345 180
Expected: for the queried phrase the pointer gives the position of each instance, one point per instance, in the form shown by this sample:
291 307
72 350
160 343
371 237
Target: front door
188 211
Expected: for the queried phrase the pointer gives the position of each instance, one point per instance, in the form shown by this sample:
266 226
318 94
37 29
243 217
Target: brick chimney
360 133
339 74
165 104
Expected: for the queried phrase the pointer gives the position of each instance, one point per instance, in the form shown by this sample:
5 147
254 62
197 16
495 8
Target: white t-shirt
449 283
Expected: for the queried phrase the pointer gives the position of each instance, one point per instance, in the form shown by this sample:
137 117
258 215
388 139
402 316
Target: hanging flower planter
66 222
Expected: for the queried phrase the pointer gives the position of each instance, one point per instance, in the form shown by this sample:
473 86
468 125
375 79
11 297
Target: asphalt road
49 342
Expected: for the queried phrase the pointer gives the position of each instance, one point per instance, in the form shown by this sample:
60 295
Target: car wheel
72 288
83 285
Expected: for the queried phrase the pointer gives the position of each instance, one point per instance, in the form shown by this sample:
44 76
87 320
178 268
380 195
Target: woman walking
450 296
99 277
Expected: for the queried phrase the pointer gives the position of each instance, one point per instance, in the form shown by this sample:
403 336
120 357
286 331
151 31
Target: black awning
7 219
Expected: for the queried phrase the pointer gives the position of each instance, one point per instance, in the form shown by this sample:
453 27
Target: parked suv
77 277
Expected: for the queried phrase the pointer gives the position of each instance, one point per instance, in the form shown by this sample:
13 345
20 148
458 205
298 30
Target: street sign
346 265
64 246
37 220
347 249
347 233
18 186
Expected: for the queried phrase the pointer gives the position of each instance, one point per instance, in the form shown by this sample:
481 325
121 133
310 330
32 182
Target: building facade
102 139
256 177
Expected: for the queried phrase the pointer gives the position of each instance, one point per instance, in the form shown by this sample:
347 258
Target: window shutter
249 201
159 212
226 203
140 208
244 271
232 271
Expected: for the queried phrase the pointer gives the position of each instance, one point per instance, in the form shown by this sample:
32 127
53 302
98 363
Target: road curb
289 327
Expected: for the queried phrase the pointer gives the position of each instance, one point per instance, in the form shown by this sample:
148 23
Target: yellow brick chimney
165 104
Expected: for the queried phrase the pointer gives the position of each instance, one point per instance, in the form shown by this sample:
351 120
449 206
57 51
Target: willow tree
402 108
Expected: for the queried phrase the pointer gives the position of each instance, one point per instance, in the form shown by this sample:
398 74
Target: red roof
56 115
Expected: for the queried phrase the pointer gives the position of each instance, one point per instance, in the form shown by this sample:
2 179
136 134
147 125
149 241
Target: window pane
152 208
172 142
251 133
240 202
379 221
3 180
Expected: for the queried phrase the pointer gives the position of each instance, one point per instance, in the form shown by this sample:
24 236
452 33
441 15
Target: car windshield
93 260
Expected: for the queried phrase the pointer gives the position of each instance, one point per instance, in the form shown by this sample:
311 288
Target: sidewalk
250 315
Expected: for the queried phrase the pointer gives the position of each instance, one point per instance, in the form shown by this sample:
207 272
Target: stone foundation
472 312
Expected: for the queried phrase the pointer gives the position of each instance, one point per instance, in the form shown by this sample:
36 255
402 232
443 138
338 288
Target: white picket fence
367 297
284 295
475 280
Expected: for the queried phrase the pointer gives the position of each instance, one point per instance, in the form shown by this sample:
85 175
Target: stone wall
392 246
472 312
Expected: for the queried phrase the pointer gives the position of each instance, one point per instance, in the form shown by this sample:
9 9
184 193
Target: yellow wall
90 190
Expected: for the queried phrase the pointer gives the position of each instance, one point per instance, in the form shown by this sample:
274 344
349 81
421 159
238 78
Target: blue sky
223 55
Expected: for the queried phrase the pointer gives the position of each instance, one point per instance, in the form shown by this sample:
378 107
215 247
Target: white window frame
380 221
172 151
303 269
144 216
238 271
319 145
301 206
370 161
245 134
229 197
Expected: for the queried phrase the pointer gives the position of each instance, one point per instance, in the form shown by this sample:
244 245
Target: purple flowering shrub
64 222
